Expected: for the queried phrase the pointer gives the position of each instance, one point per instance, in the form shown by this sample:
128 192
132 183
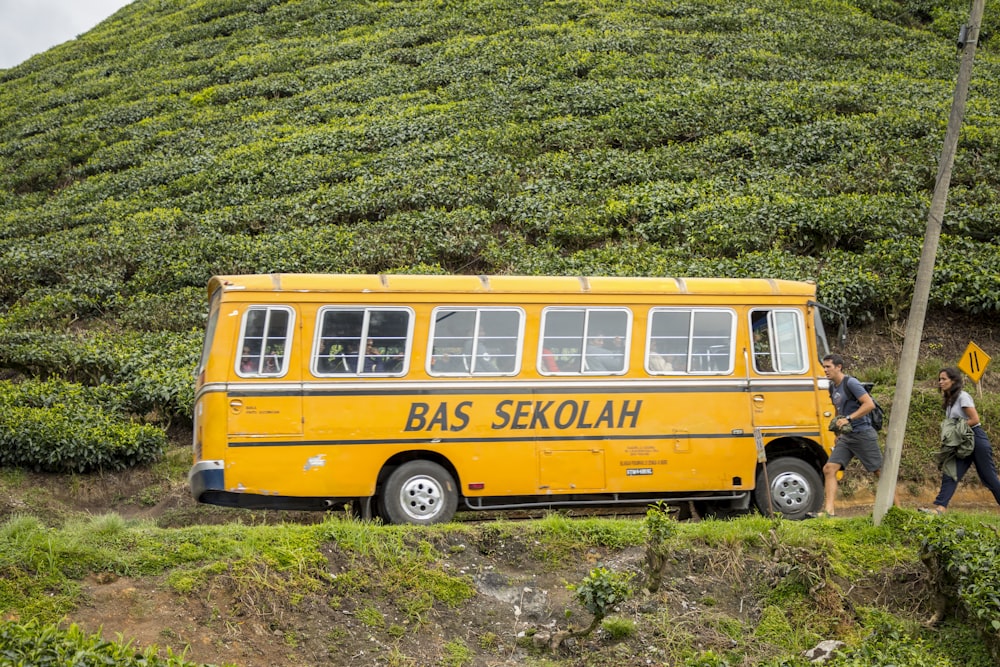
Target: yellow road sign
974 362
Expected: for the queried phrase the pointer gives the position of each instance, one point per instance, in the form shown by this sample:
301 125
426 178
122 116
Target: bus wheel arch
792 483
418 491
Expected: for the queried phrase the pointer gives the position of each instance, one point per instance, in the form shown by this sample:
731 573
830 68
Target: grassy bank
750 591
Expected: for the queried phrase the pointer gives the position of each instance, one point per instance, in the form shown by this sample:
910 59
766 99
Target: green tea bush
31 643
68 438
963 563
33 393
151 371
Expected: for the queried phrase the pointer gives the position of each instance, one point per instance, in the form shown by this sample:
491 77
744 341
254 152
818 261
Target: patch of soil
522 609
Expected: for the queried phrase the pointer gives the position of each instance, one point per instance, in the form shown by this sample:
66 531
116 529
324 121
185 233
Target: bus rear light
477 486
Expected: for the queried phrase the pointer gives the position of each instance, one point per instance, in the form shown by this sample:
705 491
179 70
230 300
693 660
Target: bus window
362 341
690 341
763 361
264 341
778 344
584 340
388 340
822 345
789 341
476 341
712 342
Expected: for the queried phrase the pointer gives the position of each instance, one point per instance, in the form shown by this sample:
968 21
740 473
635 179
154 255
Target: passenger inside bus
485 354
346 361
447 361
762 343
375 362
657 361
248 363
549 363
597 357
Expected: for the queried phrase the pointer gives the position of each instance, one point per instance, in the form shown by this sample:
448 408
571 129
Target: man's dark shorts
862 444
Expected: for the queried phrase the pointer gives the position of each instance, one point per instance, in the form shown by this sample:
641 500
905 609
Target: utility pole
925 273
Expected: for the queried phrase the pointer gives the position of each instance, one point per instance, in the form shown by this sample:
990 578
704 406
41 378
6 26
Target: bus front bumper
207 482
206 476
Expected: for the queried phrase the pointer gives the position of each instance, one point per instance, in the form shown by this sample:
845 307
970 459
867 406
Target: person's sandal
821 515
934 511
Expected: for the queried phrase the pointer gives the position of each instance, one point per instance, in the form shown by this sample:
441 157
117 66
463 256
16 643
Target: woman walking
959 404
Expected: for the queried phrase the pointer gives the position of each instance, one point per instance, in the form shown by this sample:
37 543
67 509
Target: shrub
32 643
600 592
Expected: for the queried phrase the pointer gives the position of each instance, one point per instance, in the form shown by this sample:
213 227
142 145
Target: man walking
856 437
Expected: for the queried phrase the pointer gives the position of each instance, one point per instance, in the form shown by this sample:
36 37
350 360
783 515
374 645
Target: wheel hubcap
790 492
420 497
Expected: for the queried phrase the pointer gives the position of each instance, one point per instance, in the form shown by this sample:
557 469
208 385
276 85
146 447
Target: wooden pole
925 273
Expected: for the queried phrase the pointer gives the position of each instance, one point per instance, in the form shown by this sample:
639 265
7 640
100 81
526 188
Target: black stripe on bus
424 442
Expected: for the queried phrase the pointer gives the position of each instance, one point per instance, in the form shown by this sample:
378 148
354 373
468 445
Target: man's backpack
877 416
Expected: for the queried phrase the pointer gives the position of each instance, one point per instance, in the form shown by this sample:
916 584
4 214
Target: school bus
412 397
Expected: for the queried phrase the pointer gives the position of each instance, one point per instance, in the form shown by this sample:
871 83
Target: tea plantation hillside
185 138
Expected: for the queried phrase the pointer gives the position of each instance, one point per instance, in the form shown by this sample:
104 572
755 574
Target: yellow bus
413 397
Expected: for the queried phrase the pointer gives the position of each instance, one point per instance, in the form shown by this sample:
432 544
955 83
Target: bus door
782 392
265 393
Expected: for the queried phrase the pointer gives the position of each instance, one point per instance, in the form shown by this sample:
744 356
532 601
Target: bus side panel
514 442
688 439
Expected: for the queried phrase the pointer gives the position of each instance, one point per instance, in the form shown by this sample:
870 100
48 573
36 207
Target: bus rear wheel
792 488
419 492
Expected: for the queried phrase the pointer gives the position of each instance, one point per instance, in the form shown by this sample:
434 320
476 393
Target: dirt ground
522 605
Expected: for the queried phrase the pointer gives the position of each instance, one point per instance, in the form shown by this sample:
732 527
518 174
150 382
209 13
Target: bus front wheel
420 492
791 487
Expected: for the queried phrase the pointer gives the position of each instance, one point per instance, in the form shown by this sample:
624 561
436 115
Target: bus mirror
842 334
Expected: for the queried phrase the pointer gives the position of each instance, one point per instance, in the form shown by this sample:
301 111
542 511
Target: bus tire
420 492
795 488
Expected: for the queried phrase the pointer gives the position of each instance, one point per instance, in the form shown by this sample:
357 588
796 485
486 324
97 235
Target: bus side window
476 341
712 341
760 330
498 341
264 340
386 337
669 341
584 340
362 341
682 340
778 341
340 332
562 340
607 335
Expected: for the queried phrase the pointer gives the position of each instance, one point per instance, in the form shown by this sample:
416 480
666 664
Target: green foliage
33 643
618 629
457 653
152 371
660 527
602 590
707 658
50 441
892 641
56 426
964 561
383 558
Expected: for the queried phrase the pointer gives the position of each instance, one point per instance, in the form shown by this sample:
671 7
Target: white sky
28 27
